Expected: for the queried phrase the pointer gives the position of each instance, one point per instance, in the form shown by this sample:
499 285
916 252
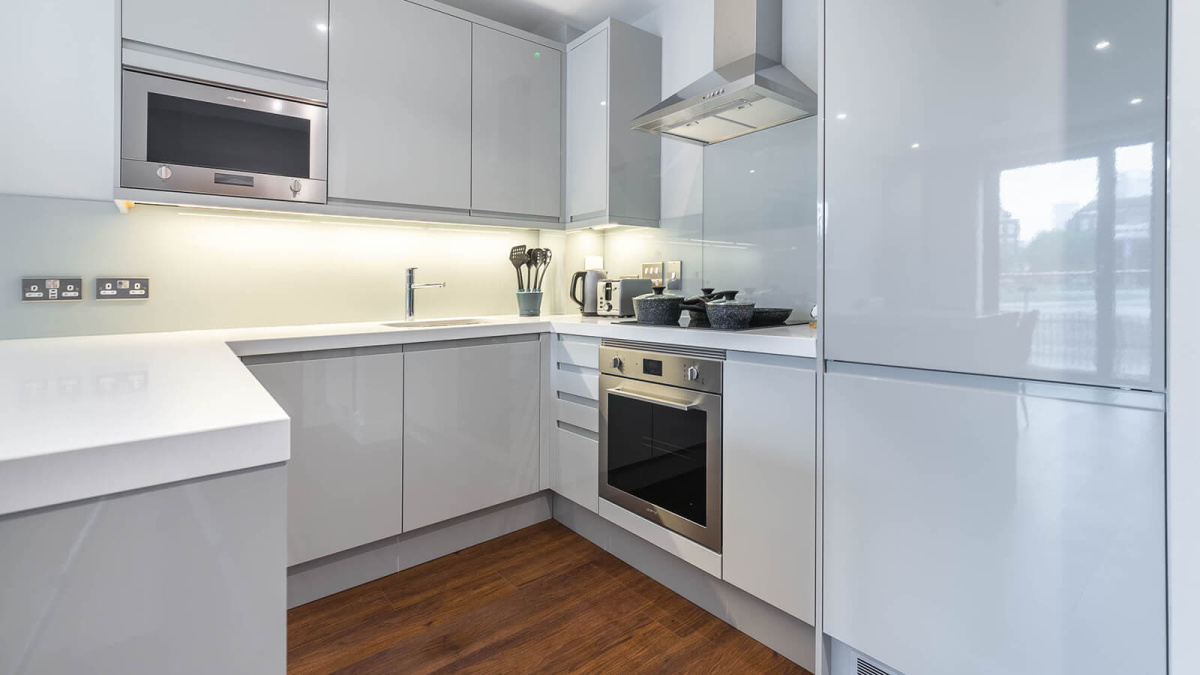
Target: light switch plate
653 271
122 288
673 273
51 289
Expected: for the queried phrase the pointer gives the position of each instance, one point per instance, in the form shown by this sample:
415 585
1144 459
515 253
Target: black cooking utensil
519 257
546 256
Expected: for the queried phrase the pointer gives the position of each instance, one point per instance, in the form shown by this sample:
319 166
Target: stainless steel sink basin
434 323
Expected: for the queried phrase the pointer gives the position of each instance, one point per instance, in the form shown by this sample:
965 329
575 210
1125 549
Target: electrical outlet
122 288
51 289
673 275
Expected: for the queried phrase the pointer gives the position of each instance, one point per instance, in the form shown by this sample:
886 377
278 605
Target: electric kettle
587 303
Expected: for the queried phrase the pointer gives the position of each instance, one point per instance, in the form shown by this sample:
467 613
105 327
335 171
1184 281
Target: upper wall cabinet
57 135
287 36
399 104
1005 197
516 126
614 74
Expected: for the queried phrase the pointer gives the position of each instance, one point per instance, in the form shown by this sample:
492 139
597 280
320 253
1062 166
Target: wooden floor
542 599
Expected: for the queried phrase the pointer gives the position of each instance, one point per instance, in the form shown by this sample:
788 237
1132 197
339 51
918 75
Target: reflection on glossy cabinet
345 473
399 104
1007 527
288 36
613 75
996 206
516 125
472 426
769 474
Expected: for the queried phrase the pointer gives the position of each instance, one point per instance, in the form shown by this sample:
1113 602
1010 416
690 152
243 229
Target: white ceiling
557 19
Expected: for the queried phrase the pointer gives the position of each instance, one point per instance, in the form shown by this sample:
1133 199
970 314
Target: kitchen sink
432 323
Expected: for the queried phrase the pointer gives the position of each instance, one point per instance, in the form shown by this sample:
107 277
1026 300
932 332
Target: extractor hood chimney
748 89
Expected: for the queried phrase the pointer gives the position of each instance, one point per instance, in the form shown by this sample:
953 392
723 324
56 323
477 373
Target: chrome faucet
410 296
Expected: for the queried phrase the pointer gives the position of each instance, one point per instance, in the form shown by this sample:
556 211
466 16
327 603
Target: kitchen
369 335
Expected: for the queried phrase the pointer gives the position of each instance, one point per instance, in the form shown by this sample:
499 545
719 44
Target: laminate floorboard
539 600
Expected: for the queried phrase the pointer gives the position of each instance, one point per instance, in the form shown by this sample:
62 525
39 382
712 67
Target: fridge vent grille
867 668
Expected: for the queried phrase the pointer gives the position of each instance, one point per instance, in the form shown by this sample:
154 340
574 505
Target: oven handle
650 399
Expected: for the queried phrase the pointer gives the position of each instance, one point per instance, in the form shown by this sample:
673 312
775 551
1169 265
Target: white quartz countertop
84 417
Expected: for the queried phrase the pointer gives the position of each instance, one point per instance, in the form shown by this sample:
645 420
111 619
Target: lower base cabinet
769 480
472 426
345 474
993 526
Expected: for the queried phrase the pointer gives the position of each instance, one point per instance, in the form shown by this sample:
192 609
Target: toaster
614 297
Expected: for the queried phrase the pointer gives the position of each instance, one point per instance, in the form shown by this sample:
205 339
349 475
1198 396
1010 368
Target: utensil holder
529 303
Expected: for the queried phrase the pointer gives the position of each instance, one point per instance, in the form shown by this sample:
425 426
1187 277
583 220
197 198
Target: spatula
519 257
546 255
529 261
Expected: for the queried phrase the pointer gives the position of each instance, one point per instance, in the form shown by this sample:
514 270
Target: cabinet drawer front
582 352
585 385
579 415
577 469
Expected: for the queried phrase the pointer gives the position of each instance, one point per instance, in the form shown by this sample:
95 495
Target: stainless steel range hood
748 89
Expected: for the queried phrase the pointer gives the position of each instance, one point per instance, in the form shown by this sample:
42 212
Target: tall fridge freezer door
981 525
995 187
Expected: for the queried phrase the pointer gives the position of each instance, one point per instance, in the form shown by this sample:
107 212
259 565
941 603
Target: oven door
190 137
660 455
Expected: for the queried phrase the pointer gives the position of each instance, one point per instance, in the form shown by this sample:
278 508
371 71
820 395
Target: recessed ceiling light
841 116
324 28
1135 101
1102 45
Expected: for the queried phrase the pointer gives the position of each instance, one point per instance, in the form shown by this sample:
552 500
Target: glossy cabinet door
587 127
995 203
983 525
516 125
399 104
575 446
288 36
345 474
472 426
770 480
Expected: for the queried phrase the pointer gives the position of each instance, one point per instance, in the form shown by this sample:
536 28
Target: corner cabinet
614 74
399 105
345 473
286 36
472 426
516 126
770 480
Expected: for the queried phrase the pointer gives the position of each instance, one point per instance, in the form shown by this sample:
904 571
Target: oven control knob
616 362
295 186
693 373
163 172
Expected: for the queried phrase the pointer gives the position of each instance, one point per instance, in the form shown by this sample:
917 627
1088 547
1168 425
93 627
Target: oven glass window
659 454
199 133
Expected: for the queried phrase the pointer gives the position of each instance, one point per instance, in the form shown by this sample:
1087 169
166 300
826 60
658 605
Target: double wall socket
122 288
51 289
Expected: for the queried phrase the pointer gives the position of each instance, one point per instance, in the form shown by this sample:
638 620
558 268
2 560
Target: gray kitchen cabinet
58 121
472 426
287 36
399 104
516 126
983 525
769 476
996 206
575 446
345 475
613 75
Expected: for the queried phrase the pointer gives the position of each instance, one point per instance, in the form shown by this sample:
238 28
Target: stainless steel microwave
185 136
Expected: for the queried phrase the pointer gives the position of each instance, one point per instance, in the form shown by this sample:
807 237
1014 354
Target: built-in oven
186 136
660 435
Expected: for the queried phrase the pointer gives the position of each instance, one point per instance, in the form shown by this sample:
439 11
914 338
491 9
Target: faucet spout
410 296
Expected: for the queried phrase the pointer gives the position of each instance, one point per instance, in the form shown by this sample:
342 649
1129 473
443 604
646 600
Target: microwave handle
650 399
